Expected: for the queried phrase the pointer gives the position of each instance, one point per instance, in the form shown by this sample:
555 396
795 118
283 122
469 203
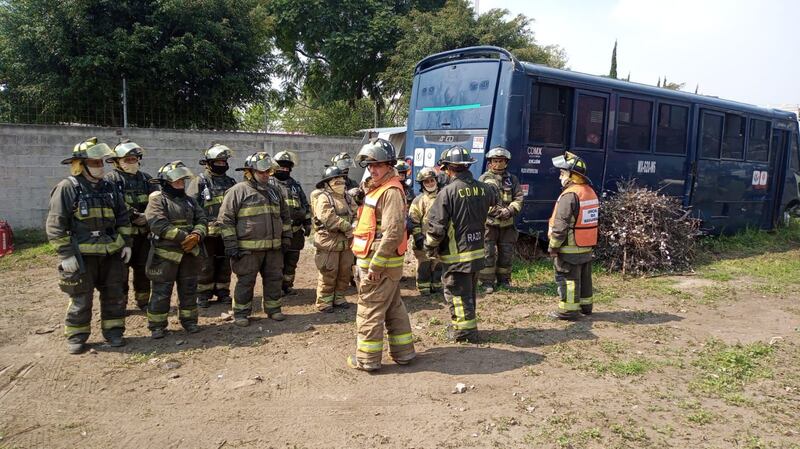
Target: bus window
712 136
590 122
758 145
550 113
671 130
633 125
733 142
795 163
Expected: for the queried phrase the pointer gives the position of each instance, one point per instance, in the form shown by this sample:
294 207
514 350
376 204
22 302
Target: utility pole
124 103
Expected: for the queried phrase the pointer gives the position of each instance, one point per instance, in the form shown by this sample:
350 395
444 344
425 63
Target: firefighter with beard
573 235
501 233
88 226
455 237
379 244
256 226
207 189
300 212
135 187
177 225
334 213
429 271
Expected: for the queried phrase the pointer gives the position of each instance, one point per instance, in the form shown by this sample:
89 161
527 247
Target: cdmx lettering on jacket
471 191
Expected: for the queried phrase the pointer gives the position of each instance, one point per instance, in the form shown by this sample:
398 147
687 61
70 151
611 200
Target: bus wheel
791 215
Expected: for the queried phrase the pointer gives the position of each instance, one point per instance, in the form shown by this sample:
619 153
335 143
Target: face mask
282 175
95 172
337 188
131 169
219 169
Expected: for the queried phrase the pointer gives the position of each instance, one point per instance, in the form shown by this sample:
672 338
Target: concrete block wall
30 158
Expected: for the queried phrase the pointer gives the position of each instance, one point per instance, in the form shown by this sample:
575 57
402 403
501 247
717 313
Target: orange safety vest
367 226
585 228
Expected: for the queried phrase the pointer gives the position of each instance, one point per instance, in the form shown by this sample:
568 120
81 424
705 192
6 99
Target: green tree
613 72
188 63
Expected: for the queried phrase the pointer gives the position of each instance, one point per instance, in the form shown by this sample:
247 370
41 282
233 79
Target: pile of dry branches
644 232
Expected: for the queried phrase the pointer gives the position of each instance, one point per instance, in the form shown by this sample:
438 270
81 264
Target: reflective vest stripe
169 254
102 248
260 244
583 235
262 209
367 226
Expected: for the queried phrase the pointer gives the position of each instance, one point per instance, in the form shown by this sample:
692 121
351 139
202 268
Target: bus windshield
456 96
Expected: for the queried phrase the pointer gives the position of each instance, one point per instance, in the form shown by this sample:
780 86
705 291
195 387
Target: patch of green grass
726 369
138 358
624 368
611 347
591 434
714 294
701 417
27 255
629 432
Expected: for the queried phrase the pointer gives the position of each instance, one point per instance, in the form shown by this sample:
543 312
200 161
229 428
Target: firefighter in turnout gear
429 271
334 213
573 235
89 227
135 187
404 170
344 162
207 189
298 209
501 233
177 226
255 225
455 237
379 244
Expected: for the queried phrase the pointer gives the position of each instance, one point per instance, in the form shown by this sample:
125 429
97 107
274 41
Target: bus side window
733 142
671 131
633 125
712 136
795 159
550 114
758 145
590 123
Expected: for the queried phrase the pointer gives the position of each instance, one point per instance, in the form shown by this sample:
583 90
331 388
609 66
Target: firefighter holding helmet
379 244
455 237
207 189
177 225
135 187
88 225
334 213
429 271
299 211
572 234
501 233
256 226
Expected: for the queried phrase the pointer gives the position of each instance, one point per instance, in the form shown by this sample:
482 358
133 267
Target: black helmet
330 173
571 162
456 155
376 150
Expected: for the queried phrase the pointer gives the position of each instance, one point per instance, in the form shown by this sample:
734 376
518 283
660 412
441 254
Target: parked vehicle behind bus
734 164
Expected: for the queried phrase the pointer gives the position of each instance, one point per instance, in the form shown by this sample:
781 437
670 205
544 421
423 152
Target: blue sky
747 51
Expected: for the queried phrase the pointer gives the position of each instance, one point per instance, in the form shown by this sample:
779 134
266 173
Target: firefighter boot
586 309
158 333
563 315
354 363
75 347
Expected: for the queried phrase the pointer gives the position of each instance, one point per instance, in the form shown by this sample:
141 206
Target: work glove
307 229
125 254
286 243
419 240
504 214
70 264
190 242
139 219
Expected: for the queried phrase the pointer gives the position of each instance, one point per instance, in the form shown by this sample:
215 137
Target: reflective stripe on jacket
171 220
91 218
208 190
510 192
580 223
369 229
333 218
135 190
253 219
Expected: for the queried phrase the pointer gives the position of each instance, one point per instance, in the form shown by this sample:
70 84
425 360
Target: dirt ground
640 372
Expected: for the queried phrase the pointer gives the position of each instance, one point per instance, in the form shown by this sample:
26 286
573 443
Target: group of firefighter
194 231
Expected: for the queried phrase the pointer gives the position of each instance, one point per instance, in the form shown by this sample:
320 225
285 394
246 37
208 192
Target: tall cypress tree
613 72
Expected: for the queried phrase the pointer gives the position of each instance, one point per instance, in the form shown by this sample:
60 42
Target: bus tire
791 215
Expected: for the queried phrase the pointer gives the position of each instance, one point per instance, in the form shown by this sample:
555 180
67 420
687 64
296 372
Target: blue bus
735 165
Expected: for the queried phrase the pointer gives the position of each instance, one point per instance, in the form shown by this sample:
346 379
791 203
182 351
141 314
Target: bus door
706 173
772 180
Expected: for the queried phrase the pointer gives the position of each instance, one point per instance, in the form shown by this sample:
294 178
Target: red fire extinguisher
6 238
